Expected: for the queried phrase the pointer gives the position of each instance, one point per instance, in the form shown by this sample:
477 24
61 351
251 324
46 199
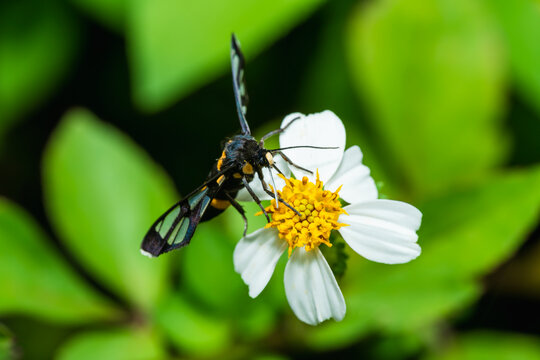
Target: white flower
379 230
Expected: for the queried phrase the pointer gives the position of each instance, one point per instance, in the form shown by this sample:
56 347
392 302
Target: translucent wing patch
239 84
176 227
184 228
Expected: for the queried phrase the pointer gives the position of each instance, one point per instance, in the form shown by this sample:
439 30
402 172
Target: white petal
358 185
382 230
311 288
256 186
323 129
255 258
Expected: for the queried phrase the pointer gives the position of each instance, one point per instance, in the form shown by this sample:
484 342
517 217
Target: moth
242 157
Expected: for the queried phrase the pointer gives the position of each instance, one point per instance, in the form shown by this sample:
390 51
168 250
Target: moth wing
239 84
175 228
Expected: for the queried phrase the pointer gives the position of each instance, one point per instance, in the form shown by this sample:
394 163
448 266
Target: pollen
319 212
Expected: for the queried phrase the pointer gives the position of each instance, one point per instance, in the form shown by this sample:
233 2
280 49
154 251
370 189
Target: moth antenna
303 147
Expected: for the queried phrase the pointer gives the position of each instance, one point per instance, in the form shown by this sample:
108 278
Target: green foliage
113 344
5 353
271 357
432 70
6 344
169 59
520 22
191 331
484 345
102 220
36 281
37 42
113 13
482 226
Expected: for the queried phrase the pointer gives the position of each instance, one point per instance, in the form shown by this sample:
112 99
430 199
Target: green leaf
403 346
114 344
102 194
36 281
112 13
271 357
6 344
177 46
37 43
432 71
520 24
480 227
190 330
485 345
463 236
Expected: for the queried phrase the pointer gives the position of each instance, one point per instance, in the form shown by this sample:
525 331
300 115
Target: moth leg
277 169
255 197
240 209
269 192
277 131
286 158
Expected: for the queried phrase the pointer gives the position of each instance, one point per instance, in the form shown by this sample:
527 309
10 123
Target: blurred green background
110 109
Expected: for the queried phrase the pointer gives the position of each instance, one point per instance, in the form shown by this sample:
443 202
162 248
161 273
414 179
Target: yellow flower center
319 212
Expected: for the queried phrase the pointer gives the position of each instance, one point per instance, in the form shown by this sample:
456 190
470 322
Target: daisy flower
377 229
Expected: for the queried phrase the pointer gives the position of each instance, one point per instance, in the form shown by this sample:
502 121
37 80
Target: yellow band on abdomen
220 204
